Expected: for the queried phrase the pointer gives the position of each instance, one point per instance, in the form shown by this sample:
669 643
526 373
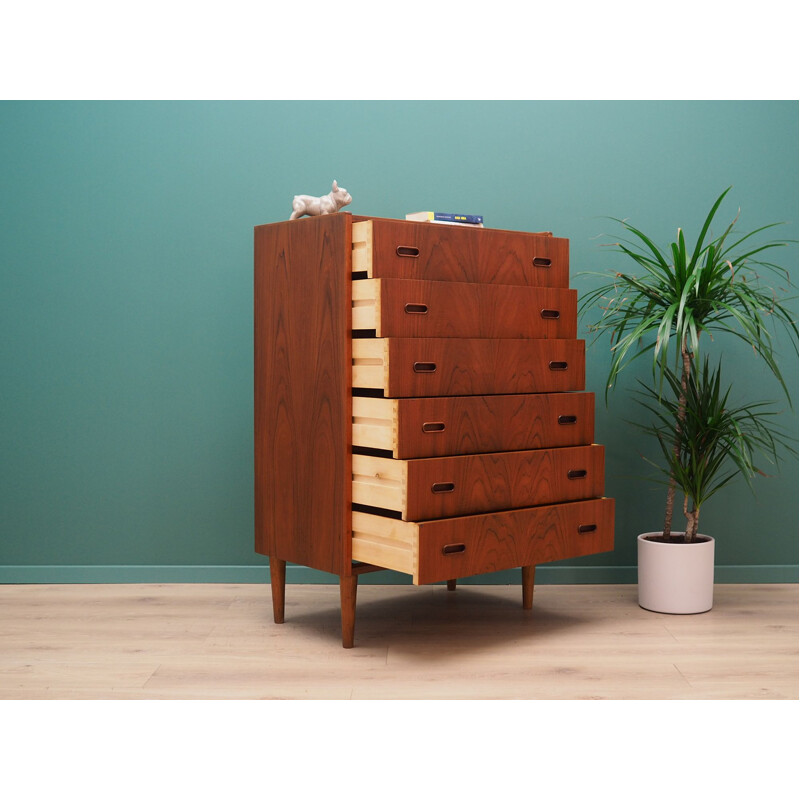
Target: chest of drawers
419 404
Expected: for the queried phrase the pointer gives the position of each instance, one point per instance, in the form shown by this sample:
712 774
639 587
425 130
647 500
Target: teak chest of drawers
419 404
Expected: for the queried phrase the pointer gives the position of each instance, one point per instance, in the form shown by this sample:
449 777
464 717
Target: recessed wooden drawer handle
567 419
586 528
574 474
541 262
550 313
451 549
416 308
408 252
441 488
558 366
432 427
424 366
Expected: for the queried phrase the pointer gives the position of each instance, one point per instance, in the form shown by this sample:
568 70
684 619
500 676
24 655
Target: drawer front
433 488
443 367
423 427
385 248
409 308
434 426
456 548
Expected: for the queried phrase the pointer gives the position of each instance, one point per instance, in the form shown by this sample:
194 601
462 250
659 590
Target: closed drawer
433 488
436 367
469 310
387 248
443 549
439 426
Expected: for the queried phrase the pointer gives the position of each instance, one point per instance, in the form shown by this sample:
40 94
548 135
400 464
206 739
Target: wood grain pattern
302 309
451 486
484 366
444 367
461 253
496 481
410 308
509 539
492 423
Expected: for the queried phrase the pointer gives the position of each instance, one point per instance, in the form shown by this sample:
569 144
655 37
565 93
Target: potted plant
674 300
717 441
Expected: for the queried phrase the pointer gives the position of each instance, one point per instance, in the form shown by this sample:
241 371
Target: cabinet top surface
361 218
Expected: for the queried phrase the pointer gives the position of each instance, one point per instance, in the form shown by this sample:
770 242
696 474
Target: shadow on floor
433 624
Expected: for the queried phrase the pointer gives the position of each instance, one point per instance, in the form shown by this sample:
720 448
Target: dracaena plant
679 296
718 439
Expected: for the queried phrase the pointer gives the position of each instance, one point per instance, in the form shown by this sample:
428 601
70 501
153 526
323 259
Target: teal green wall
126 300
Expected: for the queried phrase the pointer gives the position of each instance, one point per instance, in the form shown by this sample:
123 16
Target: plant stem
685 372
691 522
685 508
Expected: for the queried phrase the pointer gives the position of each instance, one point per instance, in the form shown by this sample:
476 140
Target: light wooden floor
218 641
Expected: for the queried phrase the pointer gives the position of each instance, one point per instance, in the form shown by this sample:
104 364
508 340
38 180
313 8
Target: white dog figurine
327 204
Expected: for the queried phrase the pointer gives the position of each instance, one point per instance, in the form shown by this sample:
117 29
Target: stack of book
475 220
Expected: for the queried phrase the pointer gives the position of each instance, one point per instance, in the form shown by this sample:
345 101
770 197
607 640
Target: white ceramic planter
676 578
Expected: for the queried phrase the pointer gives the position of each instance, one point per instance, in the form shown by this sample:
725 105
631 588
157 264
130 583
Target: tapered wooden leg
527 587
451 585
277 579
348 586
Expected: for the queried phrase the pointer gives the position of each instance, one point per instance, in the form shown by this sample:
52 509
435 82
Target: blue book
440 216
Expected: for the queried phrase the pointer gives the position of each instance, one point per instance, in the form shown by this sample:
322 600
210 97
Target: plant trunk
687 368
692 518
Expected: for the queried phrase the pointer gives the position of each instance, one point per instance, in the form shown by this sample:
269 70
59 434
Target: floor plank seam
688 682
671 634
151 676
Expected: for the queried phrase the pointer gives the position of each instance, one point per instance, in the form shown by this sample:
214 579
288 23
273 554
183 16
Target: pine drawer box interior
420 404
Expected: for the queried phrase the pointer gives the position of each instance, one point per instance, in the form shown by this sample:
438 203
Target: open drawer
457 547
422 427
432 488
391 248
436 367
463 310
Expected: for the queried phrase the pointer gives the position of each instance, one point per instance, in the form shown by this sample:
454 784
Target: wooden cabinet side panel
302 403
